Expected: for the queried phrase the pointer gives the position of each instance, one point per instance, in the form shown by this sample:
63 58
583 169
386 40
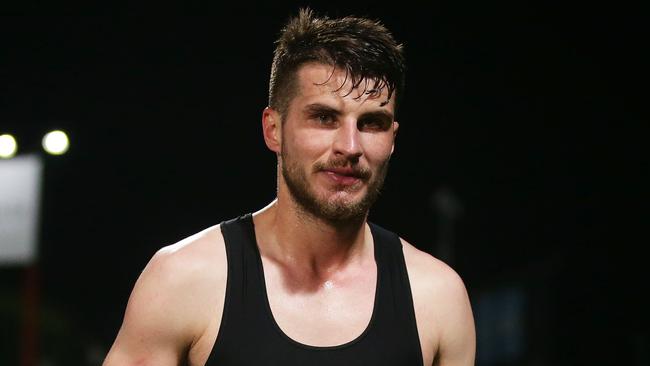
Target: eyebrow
383 114
322 108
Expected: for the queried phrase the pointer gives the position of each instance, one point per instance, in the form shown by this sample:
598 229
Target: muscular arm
457 345
155 330
169 307
442 308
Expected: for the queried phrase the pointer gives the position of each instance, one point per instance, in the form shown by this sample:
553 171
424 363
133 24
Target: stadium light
8 146
56 142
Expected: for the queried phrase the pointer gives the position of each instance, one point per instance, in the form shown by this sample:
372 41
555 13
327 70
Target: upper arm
457 339
169 307
442 308
153 331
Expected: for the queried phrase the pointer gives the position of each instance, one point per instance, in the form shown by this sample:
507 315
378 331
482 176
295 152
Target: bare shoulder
442 309
193 272
191 260
431 274
173 302
188 276
197 260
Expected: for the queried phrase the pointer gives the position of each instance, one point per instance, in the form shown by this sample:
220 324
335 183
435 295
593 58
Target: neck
293 237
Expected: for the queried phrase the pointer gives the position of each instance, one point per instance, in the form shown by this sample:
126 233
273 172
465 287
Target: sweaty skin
313 265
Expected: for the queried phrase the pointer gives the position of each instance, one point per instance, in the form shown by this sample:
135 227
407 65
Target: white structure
20 188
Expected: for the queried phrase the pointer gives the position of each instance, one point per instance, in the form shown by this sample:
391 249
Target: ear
395 128
272 129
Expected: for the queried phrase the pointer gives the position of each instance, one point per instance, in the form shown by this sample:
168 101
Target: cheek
309 143
377 149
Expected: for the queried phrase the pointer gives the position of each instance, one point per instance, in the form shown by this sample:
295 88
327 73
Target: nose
347 141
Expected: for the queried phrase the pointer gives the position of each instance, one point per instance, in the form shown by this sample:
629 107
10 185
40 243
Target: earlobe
271 129
395 128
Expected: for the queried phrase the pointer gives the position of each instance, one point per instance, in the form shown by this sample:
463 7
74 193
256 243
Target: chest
275 316
321 311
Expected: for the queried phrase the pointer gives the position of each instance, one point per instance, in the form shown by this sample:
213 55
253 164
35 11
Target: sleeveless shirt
249 335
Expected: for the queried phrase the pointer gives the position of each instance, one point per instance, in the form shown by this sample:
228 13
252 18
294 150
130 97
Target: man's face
335 144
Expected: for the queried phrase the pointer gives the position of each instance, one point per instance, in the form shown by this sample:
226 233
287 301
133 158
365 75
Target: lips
343 176
348 172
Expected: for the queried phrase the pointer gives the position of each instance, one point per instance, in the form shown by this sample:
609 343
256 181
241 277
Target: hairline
294 85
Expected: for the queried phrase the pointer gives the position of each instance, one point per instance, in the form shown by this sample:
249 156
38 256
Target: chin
341 210
337 205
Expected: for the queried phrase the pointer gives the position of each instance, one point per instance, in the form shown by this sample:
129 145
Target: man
307 280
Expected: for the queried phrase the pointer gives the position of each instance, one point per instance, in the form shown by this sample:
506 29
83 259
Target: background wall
520 161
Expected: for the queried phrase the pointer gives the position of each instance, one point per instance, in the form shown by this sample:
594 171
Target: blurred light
8 146
56 142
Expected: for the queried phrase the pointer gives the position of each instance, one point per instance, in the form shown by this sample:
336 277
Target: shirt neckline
267 305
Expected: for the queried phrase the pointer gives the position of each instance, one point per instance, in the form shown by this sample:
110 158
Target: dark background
529 120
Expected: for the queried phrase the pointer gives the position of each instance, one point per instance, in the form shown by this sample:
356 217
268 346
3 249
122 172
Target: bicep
458 337
128 350
443 310
154 330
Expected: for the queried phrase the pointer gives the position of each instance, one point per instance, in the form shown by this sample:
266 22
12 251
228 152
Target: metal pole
30 321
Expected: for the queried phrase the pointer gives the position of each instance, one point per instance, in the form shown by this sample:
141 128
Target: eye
374 124
325 119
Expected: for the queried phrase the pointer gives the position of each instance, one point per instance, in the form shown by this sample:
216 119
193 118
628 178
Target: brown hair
364 48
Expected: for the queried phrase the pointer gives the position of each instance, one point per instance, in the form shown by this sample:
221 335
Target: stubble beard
334 211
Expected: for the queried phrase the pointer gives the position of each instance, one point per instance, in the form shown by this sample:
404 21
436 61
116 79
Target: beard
337 211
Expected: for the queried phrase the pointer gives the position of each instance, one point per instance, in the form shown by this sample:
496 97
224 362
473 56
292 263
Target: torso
347 306
321 314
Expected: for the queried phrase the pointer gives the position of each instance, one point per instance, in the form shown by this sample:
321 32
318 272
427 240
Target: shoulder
438 291
173 301
192 258
182 283
442 307
431 273
172 304
190 266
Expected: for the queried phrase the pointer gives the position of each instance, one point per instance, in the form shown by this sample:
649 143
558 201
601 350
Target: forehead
317 81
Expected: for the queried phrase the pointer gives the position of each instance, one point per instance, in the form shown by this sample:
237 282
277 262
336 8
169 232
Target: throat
308 255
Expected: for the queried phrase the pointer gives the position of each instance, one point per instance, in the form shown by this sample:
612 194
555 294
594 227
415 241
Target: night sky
534 118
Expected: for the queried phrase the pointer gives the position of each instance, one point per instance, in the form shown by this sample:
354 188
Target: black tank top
249 334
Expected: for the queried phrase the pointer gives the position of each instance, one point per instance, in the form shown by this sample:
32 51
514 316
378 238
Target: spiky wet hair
363 48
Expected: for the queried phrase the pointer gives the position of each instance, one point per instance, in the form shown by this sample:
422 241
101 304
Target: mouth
345 176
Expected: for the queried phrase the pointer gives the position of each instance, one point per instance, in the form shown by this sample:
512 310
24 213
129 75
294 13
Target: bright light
8 146
56 142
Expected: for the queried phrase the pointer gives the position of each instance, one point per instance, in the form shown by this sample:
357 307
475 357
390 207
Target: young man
307 280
